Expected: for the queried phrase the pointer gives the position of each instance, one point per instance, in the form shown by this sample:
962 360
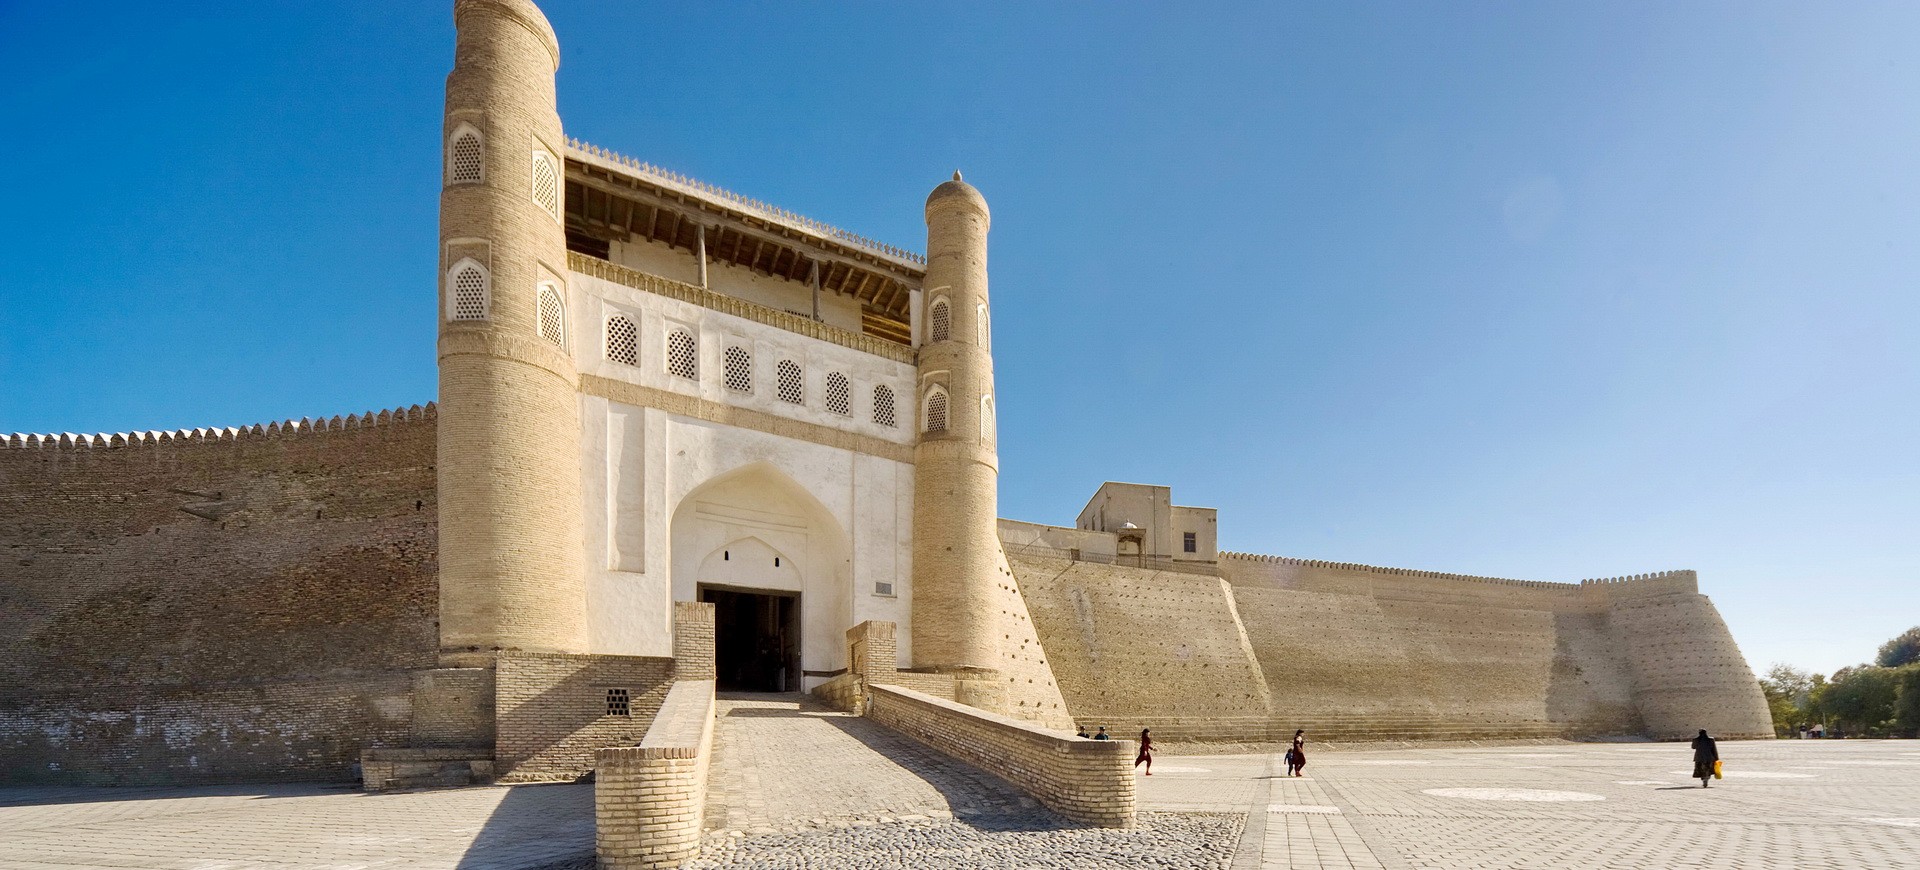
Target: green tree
1861 699
1789 693
1902 650
1906 702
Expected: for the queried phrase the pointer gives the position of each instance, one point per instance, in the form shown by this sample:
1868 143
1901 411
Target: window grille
469 284
980 324
939 321
986 420
683 354
553 316
882 587
618 703
937 411
546 183
792 387
883 406
739 370
1192 542
464 163
839 394
623 340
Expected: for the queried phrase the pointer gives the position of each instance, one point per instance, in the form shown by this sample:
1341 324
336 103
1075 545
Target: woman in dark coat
1146 750
1705 753
1297 755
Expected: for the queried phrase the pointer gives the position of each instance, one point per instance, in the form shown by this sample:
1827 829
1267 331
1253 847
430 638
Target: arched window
683 354
839 394
739 369
986 419
792 387
883 406
623 340
546 182
939 321
553 315
469 289
936 415
466 159
980 324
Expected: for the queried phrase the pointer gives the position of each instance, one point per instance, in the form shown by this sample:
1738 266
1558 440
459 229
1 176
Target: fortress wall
1033 690
1687 671
1132 646
218 605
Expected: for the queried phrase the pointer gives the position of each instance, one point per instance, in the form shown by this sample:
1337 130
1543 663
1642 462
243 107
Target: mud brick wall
1087 781
649 801
216 605
551 711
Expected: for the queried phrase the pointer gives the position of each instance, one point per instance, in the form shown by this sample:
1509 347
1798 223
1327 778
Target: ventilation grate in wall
618 704
623 340
839 394
739 370
939 321
937 412
546 183
683 354
553 315
883 406
469 293
463 158
792 386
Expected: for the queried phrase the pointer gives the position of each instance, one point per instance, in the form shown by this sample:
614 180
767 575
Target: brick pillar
693 640
873 651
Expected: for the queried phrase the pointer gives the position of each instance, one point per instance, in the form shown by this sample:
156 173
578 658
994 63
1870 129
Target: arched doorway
773 561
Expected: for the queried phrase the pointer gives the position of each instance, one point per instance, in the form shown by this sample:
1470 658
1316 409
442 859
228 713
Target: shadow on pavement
536 826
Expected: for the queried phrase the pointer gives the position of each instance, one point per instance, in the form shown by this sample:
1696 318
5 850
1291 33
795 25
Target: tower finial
956 175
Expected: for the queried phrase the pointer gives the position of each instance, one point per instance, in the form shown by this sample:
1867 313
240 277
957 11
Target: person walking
1297 754
1705 755
1146 750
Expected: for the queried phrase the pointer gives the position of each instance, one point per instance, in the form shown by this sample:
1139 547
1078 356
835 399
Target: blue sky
1546 291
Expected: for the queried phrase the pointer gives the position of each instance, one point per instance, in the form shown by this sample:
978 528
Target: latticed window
553 315
683 354
986 419
980 323
739 370
546 183
793 385
939 321
883 406
464 157
937 411
839 394
623 340
467 291
619 703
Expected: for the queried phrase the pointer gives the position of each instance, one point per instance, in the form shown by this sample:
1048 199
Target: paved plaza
1785 804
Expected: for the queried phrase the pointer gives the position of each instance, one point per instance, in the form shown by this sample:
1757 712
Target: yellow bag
1716 771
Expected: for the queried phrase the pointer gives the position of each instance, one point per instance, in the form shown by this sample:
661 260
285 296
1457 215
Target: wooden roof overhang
609 205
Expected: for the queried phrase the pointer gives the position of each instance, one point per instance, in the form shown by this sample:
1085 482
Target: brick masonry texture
551 710
241 605
650 800
1357 653
1084 780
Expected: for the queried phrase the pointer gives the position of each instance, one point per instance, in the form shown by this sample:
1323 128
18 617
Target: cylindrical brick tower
956 544
511 557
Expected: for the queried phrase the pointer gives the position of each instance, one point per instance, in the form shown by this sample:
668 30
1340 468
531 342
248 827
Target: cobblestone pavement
1784 804
284 827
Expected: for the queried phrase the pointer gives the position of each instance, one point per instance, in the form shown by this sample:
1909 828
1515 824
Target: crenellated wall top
1682 576
302 426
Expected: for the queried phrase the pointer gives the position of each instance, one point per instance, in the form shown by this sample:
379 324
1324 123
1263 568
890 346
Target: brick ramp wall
550 710
649 801
1084 780
217 607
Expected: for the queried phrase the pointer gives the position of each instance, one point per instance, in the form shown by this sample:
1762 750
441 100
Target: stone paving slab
1785 804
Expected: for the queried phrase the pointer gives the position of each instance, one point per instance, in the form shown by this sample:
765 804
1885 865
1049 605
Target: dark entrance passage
756 639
